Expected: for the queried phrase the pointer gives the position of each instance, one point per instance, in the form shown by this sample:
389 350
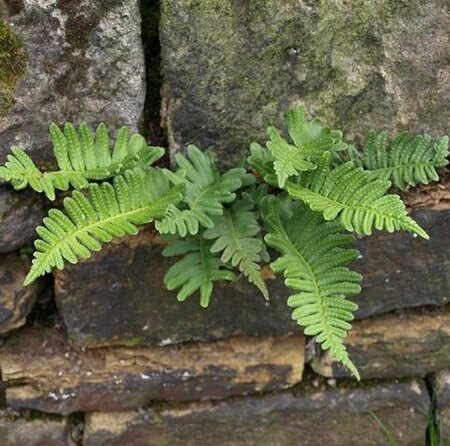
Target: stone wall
101 354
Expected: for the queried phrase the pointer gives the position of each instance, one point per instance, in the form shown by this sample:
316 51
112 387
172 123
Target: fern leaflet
236 235
198 270
348 192
407 162
107 211
314 258
81 157
206 191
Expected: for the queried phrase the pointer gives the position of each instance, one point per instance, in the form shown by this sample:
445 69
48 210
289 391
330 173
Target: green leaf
197 271
314 259
348 193
206 192
236 235
108 211
81 158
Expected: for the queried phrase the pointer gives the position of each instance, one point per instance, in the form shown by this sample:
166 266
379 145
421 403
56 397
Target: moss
13 62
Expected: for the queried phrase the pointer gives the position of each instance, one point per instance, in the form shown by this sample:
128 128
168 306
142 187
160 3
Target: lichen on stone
13 62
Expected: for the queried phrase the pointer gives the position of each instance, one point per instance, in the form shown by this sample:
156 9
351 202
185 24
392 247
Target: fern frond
314 259
408 161
261 161
81 158
107 211
197 271
206 191
361 203
236 235
310 140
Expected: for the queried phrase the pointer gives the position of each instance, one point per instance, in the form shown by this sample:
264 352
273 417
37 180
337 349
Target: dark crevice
76 423
151 125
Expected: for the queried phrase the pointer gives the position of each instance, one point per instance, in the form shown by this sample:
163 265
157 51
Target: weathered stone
412 343
84 62
441 384
333 417
118 297
401 271
33 430
16 301
44 373
231 69
20 213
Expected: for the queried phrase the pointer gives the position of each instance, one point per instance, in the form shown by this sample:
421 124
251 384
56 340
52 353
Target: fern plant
303 196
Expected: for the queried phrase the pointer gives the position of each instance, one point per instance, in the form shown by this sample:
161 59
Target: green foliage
107 211
407 162
236 235
206 192
314 255
198 270
361 203
81 158
330 188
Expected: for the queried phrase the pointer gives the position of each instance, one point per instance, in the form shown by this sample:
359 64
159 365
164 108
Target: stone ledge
411 343
338 417
43 372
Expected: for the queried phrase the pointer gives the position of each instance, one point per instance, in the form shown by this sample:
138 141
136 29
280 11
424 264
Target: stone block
338 417
231 69
43 373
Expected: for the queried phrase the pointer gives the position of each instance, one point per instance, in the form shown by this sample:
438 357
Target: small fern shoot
314 258
108 211
81 157
236 234
206 192
196 271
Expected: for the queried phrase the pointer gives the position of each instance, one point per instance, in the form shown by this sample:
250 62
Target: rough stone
338 417
84 62
16 301
34 429
231 68
42 372
20 213
441 386
411 343
122 299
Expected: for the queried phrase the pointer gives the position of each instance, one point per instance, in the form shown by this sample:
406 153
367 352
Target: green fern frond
314 259
408 161
197 271
206 191
236 235
261 161
81 157
361 203
108 211
310 140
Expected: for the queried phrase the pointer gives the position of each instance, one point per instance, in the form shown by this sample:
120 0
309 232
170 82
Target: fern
198 270
407 162
236 235
108 211
81 157
349 193
314 256
206 191
310 140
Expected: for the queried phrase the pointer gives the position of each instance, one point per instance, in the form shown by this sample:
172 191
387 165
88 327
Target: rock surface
84 62
412 343
20 213
232 69
442 388
42 372
16 301
34 430
123 301
332 417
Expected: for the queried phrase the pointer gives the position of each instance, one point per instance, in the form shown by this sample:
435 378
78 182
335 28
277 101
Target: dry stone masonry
116 360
